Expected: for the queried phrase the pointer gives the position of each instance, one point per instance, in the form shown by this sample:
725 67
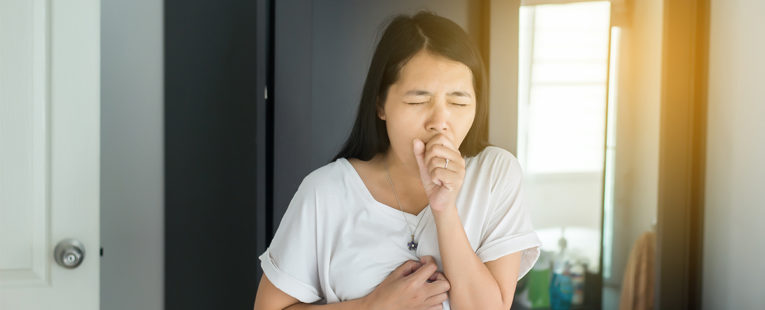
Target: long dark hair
402 38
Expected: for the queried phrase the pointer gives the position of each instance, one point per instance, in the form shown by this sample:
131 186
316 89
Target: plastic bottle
561 284
578 272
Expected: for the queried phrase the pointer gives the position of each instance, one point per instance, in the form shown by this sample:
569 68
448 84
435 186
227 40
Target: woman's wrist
356 304
365 303
445 214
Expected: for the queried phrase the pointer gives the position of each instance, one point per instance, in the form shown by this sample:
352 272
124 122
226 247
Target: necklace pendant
412 245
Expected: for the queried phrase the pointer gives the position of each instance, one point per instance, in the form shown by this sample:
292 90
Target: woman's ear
380 110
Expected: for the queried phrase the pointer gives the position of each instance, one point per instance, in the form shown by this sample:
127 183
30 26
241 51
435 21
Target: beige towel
637 285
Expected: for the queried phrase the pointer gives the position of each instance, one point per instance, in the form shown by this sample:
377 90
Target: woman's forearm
472 284
345 305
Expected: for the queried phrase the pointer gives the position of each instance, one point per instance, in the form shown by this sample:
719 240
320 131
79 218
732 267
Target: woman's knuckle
431 161
432 268
410 285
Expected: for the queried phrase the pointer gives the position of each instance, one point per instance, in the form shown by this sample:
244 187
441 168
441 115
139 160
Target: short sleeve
290 262
508 226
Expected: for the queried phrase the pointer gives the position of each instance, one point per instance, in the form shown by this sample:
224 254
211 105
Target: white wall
734 223
132 185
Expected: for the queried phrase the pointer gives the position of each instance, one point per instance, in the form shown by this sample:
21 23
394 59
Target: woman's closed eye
454 103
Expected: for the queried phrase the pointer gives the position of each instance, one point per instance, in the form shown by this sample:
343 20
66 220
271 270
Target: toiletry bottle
561 285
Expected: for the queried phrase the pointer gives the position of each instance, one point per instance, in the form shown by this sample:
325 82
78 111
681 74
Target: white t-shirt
337 243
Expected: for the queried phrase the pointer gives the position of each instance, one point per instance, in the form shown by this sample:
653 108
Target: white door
49 152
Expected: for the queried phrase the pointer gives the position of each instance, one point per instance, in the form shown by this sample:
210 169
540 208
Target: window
563 87
563 61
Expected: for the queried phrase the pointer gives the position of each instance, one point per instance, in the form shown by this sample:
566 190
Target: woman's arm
473 286
350 305
269 297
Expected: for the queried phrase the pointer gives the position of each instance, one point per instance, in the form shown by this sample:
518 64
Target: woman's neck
406 173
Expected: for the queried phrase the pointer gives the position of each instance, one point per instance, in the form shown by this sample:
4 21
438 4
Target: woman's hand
413 285
442 185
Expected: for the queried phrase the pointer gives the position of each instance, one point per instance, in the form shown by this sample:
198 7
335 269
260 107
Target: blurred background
638 124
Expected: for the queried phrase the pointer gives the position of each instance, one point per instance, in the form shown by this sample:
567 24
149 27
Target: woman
416 211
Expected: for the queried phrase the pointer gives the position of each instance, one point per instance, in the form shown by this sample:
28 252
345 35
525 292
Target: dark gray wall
214 153
322 54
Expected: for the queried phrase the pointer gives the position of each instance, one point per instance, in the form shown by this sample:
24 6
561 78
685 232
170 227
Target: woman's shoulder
498 166
327 176
494 155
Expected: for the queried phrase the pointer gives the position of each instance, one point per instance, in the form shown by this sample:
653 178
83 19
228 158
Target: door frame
682 154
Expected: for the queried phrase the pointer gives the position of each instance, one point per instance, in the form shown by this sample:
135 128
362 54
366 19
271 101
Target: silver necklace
411 245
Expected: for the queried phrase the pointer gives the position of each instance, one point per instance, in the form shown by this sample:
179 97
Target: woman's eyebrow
418 92
459 94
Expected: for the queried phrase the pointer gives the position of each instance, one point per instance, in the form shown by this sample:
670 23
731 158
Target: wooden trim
484 32
543 2
682 154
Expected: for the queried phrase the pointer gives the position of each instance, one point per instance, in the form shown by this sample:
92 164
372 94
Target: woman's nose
439 118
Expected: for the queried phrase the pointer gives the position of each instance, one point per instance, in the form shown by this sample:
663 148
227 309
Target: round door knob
69 253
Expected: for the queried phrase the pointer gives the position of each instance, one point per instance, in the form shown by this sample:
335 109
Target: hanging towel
637 285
